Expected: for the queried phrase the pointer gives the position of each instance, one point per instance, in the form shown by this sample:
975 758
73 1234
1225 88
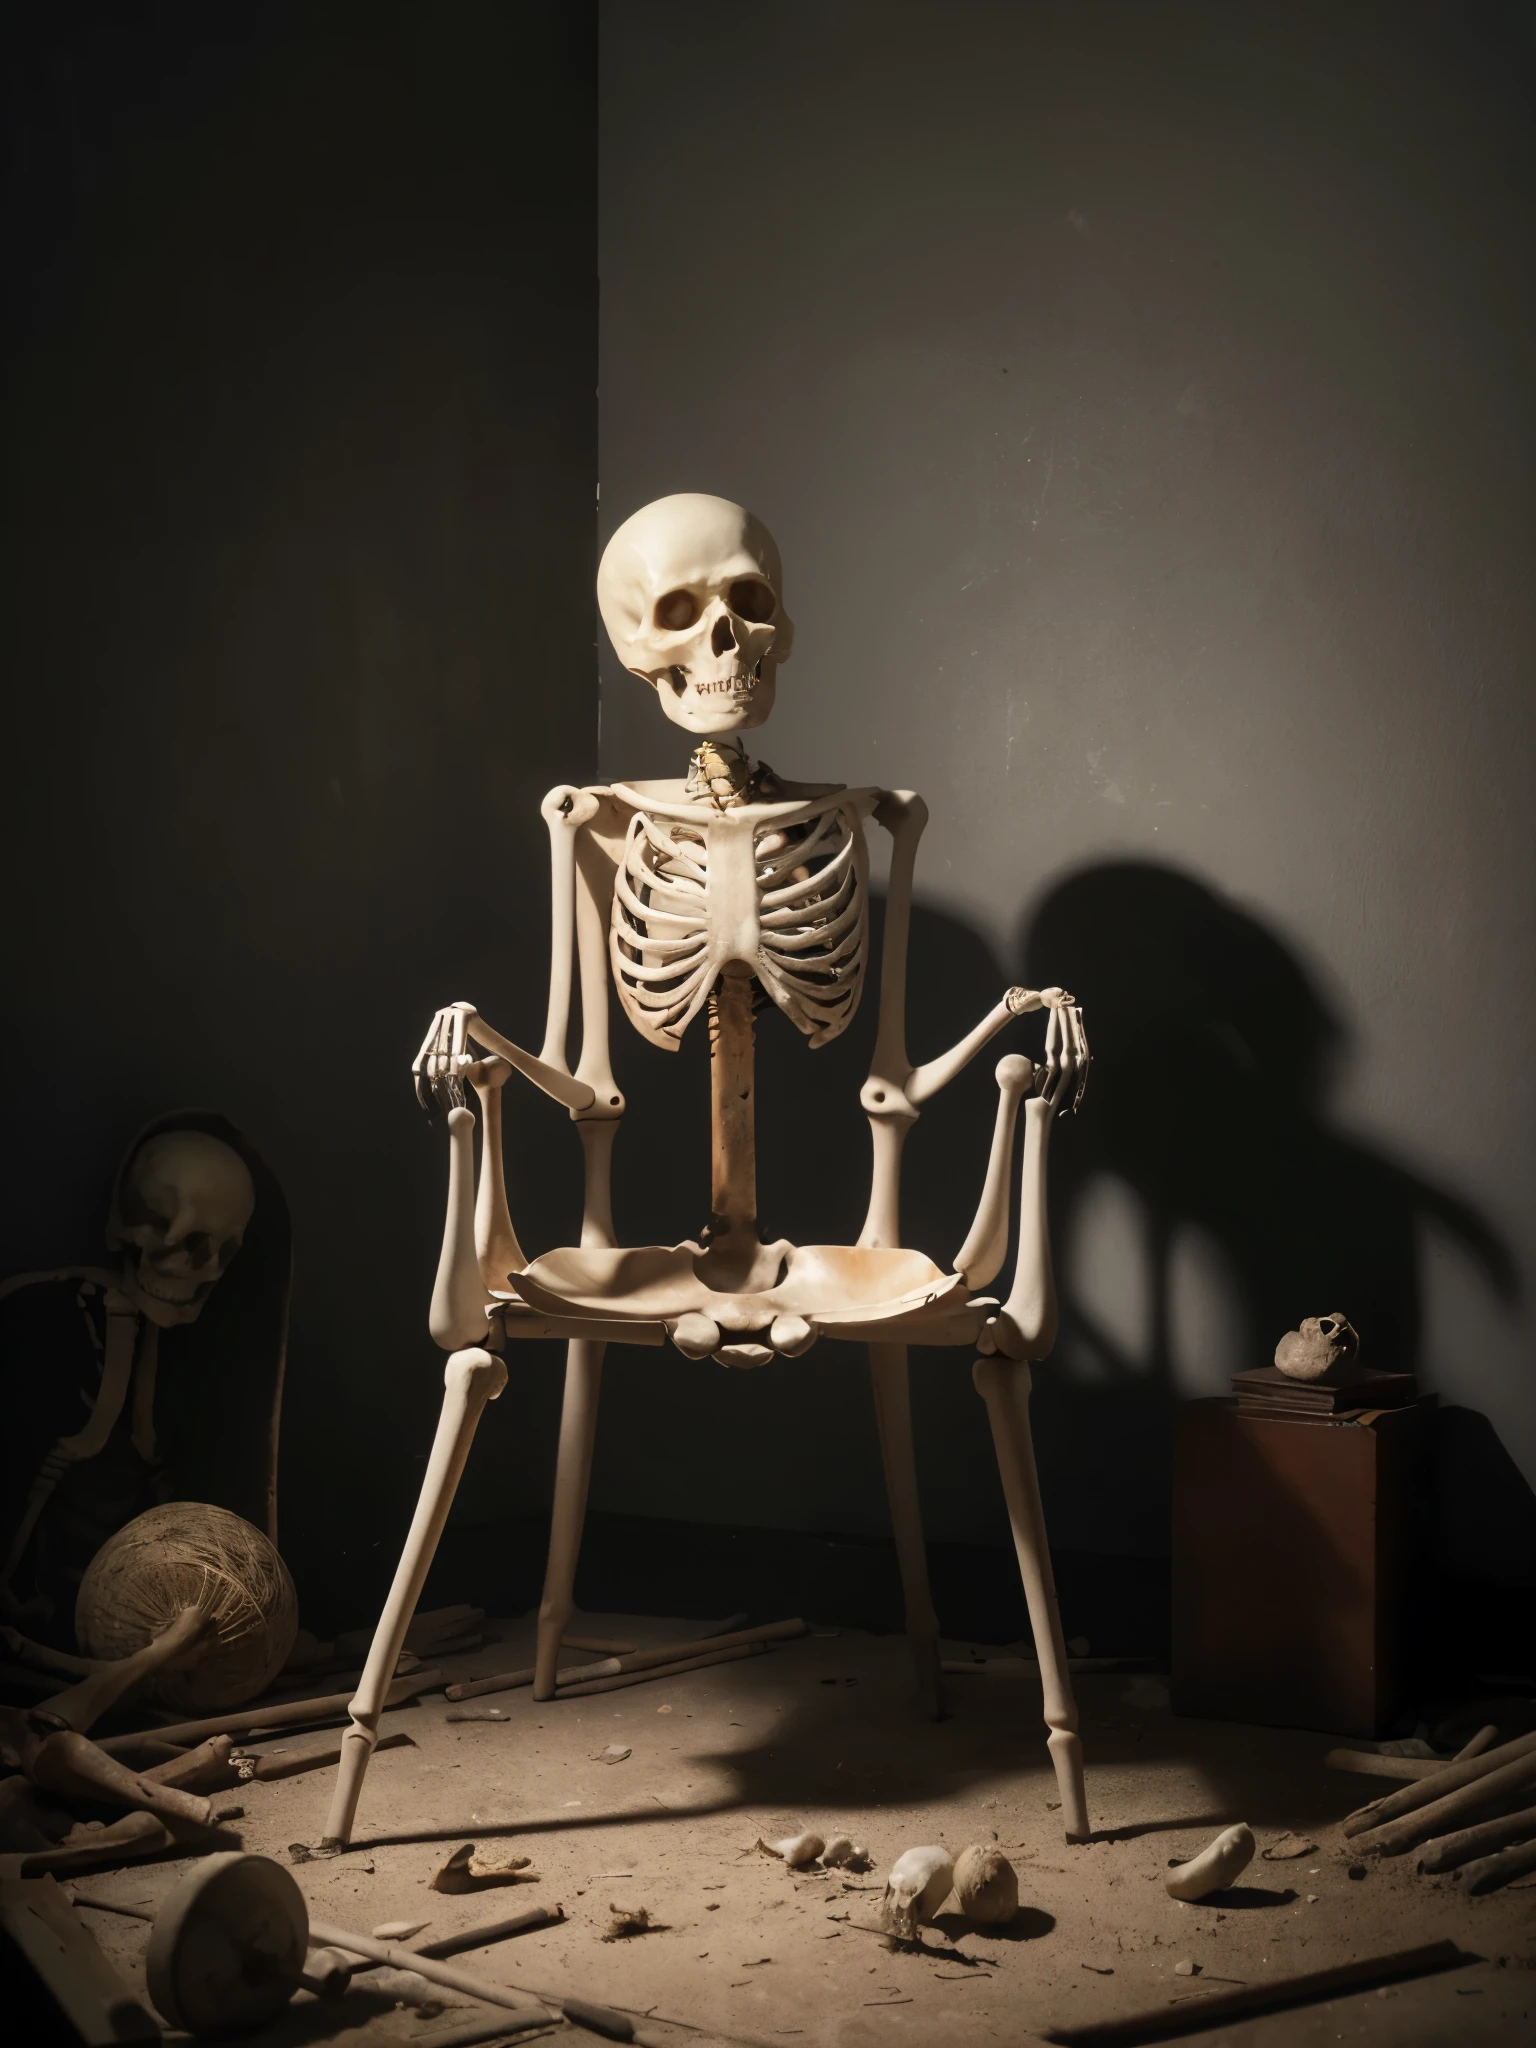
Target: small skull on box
1325 1348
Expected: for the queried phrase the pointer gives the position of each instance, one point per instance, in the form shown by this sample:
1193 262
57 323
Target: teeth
167 1290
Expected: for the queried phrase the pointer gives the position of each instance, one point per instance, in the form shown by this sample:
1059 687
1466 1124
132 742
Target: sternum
733 1114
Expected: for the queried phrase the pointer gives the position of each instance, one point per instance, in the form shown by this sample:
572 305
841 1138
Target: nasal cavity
722 640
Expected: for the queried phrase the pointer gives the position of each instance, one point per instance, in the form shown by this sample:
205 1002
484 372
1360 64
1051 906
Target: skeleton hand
444 1064
1064 1075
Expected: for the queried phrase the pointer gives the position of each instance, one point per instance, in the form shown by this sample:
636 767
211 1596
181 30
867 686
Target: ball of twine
188 1554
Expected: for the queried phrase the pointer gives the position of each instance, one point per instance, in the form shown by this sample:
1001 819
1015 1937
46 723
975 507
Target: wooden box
1292 1549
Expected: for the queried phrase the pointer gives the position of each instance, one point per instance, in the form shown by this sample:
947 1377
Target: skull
919 1883
1325 1348
691 592
180 1214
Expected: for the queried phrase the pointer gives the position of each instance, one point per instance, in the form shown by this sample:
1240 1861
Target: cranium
692 594
180 1215
919 1883
1324 1348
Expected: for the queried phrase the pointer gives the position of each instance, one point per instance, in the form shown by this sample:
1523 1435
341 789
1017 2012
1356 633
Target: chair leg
1003 1384
893 1416
573 1471
473 1377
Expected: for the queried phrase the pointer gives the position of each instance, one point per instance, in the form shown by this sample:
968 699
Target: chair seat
858 1292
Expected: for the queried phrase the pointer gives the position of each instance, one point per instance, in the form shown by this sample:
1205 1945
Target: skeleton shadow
1215 1054
1214 1051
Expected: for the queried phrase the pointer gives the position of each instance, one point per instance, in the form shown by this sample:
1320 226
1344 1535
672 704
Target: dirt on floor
819 1734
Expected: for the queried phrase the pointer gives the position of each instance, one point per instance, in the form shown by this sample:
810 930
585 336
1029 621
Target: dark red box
1292 1550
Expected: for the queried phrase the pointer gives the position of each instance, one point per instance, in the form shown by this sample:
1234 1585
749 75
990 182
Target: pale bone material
178 1217
50 1742
798 1851
986 1885
685 893
691 592
843 1853
1325 1348
1215 1867
919 1883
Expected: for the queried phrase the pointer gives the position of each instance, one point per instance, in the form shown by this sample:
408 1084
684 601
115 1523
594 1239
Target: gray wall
301 370
1141 396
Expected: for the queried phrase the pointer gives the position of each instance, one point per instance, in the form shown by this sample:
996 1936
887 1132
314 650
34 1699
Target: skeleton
179 1215
700 894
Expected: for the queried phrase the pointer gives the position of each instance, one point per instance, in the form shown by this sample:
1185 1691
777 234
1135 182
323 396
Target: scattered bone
476 1714
633 1660
290 1763
627 1921
986 1885
398 1930
1288 1846
286 1714
1450 1852
1186 1968
615 1753
446 1974
491 1931
797 1851
598 1646
465 1938
467 1871
328 1972
842 1854
1215 1867
919 1883
209 1767
90 1846
1405 1819
1370 1763
1492 1873
645 1675
1485 1738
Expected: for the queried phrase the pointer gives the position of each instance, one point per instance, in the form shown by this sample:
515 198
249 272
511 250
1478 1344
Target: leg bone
1003 1384
893 1413
473 1377
573 1471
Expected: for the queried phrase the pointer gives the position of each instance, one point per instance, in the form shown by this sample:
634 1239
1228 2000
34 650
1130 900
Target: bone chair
718 893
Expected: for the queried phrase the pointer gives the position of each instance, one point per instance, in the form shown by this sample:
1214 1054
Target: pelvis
856 1292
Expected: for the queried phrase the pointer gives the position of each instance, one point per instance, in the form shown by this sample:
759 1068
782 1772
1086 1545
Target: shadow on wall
1207 1110
1214 1055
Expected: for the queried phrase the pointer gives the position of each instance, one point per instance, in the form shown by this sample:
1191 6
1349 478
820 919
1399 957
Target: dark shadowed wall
301 412
1141 396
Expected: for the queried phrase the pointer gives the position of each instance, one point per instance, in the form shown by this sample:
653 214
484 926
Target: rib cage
806 944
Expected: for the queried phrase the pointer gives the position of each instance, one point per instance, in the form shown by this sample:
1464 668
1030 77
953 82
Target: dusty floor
818 1734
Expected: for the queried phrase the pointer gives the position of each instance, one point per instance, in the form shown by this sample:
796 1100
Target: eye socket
679 608
752 599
